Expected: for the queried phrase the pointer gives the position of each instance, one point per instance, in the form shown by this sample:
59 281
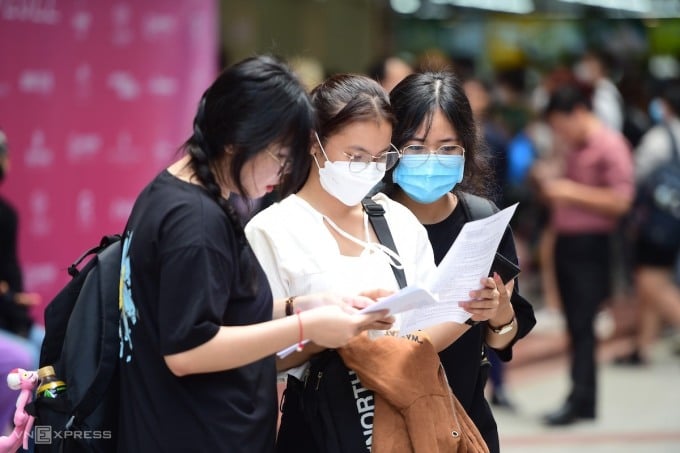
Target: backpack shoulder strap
476 207
73 270
376 215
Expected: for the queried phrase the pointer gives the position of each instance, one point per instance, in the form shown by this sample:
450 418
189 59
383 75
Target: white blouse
300 256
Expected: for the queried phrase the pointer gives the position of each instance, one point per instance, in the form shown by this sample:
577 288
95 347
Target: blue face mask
656 111
425 178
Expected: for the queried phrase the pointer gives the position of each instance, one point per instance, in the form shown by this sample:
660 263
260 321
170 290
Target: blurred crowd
528 151
524 150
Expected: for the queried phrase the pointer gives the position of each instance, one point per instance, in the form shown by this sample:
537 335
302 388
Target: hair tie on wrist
290 310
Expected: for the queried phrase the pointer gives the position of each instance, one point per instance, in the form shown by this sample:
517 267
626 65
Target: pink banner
95 98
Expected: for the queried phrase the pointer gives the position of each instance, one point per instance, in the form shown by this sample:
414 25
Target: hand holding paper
404 300
468 261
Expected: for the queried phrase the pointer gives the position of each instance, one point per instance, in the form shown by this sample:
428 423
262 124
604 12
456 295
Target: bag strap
476 207
376 215
105 242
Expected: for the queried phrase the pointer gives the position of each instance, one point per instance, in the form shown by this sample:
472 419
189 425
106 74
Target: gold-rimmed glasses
285 164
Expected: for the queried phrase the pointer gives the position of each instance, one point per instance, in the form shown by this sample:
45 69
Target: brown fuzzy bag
415 410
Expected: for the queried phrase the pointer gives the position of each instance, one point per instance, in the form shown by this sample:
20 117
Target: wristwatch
502 330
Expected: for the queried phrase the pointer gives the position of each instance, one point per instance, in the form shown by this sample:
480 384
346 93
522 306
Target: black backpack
655 215
81 343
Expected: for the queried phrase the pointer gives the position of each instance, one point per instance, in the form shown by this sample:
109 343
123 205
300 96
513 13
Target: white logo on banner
81 22
157 26
38 155
39 274
198 23
125 86
125 152
39 12
121 15
85 213
81 146
163 86
120 209
39 223
36 81
83 79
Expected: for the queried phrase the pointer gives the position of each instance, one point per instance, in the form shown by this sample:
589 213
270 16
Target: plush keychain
20 379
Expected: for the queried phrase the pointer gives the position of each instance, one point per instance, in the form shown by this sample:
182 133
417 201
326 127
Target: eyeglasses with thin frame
359 160
285 164
443 154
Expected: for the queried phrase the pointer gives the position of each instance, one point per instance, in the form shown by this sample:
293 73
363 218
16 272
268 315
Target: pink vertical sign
95 98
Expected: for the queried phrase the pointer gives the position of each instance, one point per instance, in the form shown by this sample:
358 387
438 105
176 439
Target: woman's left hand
486 301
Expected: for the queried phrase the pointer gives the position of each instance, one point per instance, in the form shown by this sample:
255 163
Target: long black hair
415 101
251 105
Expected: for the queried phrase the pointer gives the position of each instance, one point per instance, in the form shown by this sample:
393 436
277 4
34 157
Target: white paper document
406 299
470 257
468 261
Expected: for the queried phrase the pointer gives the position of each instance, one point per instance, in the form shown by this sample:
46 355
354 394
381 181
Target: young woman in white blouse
319 239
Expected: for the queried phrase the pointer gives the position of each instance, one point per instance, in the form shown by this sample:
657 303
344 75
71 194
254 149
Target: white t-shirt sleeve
265 250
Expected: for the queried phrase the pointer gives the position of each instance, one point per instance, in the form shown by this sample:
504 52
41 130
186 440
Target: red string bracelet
300 344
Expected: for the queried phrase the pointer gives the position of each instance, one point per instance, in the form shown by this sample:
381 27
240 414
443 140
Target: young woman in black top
197 335
441 157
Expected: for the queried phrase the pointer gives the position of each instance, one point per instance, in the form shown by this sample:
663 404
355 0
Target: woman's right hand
332 326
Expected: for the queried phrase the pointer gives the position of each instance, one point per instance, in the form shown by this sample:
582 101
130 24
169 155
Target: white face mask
347 186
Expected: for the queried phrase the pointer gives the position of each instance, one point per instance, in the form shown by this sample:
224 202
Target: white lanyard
392 258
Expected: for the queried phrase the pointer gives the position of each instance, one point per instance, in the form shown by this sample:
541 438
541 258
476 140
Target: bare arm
484 306
599 199
443 335
303 303
235 346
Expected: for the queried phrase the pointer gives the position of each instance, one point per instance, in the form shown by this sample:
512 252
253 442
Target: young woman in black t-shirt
437 136
197 335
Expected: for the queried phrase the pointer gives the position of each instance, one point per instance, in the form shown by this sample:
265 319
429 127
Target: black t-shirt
181 280
461 360
13 317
